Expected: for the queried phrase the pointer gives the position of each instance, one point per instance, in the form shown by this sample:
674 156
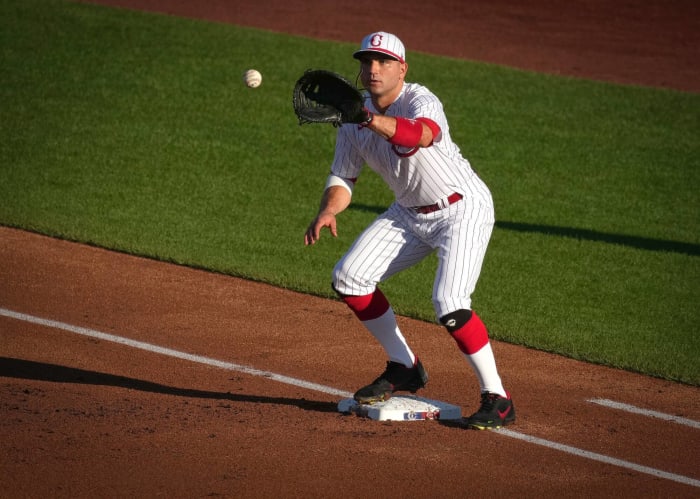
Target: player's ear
404 69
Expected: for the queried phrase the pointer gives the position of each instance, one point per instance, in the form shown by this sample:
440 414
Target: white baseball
252 78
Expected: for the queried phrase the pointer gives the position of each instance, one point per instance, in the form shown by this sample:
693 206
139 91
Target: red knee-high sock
368 307
473 336
473 341
378 317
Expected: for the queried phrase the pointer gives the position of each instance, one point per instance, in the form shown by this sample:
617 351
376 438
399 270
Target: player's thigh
383 249
460 254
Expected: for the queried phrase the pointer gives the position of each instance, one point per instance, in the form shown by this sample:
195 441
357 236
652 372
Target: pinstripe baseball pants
401 237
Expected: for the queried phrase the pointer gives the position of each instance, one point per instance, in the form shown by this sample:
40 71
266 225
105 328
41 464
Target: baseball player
441 205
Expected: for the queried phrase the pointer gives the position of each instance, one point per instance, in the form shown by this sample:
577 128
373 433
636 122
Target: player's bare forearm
335 199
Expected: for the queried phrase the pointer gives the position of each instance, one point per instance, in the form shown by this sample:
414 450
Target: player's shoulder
417 94
418 100
417 90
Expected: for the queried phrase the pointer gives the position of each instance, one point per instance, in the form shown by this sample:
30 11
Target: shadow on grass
644 243
40 371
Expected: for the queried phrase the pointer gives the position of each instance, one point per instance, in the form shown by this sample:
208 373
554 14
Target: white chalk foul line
329 390
173 353
601 458
645 412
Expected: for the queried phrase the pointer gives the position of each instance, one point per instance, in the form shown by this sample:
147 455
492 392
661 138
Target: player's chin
374 86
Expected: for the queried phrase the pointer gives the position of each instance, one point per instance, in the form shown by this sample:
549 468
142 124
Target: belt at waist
451 199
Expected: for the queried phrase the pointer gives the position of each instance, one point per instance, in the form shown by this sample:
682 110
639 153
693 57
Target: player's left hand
322 96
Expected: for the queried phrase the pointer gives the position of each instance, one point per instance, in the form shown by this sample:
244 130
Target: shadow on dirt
40 371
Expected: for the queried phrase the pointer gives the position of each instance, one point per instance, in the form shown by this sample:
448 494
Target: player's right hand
313 232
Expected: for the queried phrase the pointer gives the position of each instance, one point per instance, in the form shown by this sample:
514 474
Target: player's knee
335 289
339 278
336 281
344 283
340 287
455 320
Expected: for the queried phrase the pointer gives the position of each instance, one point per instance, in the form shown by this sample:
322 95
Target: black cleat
495 411
396 377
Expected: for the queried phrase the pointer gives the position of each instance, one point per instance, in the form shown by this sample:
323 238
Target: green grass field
133 131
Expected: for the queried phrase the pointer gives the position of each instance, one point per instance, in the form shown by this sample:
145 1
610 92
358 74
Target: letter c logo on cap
376 41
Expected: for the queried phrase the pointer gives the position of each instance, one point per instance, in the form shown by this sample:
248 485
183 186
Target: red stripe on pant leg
473 336
368 307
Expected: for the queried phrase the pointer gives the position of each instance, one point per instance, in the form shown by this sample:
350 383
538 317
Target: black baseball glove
322 96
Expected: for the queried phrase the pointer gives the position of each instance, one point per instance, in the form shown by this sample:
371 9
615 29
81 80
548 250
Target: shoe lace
487 401
391 367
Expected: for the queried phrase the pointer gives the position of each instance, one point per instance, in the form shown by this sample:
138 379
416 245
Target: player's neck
382 102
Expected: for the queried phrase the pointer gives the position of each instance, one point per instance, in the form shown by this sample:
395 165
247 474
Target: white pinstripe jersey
424 178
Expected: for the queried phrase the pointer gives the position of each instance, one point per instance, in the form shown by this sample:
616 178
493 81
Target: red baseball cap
383 43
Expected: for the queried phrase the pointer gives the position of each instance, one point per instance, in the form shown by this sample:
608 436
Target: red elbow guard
434 127
408 132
